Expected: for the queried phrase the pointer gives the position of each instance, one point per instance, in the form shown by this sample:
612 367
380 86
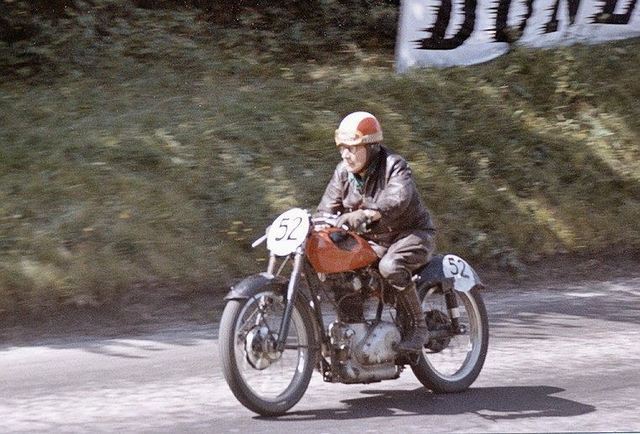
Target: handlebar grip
259 241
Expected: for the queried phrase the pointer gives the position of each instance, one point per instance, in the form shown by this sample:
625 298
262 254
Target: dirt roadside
148 310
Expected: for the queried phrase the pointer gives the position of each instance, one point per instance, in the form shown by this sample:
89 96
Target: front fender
254 284
251 285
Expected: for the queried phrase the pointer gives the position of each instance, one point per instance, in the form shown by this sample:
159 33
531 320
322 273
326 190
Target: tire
453 364
266 386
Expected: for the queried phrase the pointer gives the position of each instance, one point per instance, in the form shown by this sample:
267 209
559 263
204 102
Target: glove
353 220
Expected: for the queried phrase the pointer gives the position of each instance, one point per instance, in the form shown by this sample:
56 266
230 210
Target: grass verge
156 166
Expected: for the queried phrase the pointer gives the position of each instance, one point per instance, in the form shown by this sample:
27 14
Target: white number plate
460 270
288 232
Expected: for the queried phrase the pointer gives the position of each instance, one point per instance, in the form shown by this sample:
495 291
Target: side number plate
456 267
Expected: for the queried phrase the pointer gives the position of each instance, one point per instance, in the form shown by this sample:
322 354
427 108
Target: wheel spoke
452 357
277 371
295 347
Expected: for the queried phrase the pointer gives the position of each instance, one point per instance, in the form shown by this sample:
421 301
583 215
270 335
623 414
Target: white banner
463 32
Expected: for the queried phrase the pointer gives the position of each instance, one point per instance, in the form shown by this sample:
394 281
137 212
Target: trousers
406 254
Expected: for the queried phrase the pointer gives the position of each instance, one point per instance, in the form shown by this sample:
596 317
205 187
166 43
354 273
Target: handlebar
325 220
332 220
319 221
259 241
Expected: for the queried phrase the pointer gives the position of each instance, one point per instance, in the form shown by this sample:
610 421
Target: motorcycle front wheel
451 364
261 378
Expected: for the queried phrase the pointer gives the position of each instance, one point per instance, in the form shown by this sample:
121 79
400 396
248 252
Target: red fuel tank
335 250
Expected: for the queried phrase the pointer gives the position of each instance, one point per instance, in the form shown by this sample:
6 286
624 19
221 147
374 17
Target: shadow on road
492 403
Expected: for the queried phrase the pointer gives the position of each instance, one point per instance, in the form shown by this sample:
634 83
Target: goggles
351 148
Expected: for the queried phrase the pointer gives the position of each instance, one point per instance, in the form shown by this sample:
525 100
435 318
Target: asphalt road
561 358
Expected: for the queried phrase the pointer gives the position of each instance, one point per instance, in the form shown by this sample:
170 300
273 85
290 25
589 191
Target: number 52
453 262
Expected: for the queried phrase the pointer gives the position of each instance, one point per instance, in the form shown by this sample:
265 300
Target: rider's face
355 157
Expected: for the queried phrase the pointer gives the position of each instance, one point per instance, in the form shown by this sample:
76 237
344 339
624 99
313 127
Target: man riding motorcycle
373 185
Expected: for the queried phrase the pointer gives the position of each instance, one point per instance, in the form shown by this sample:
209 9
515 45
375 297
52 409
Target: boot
417 334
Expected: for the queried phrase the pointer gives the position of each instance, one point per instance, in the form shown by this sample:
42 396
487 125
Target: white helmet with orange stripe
358 128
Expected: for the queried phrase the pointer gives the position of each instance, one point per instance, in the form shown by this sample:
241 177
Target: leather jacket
387 187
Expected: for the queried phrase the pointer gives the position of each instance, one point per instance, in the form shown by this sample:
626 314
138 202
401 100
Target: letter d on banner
445 33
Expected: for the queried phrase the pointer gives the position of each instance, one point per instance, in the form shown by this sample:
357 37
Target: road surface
561 358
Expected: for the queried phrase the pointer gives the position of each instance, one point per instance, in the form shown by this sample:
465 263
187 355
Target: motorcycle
273 334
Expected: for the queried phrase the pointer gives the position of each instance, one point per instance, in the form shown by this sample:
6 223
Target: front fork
290 297
452 306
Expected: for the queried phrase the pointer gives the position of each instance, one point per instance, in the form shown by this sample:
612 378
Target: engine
363 352
350 290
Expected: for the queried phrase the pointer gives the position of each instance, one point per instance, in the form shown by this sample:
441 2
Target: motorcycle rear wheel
455 365
264 381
